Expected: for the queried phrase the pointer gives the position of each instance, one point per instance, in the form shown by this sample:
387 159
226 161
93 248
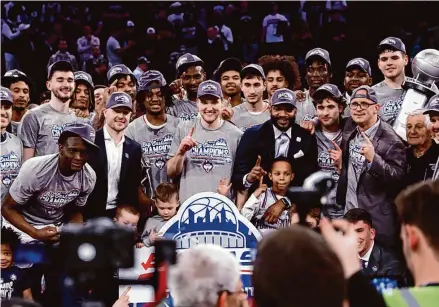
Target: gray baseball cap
59 66
187 60
253 68
211 88
327 90
83 130
119 69
82 76
16 74
119 99
283 96
393 43
143 60
317 53
148 77
432 105
370 93
360 63
6 95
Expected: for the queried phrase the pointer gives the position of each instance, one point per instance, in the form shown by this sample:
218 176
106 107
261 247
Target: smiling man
49 186
373 165
228 75
432 110
41 128
203 151
357 73
19 85
254 110
392 60
83 98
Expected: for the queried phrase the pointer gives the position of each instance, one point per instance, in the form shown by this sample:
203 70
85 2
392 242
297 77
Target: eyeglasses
363 105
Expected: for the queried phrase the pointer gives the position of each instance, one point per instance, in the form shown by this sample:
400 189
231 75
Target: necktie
282 150
363 264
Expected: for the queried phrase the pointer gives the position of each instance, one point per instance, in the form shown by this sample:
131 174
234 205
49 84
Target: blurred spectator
99 71
10 32
274 27
63 55
95 55
176 17
86 43
205 275
142 66
44 97
224 32
130 39
213 50
114 49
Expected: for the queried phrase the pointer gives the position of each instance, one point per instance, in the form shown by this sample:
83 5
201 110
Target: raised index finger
114 82
126 291
336 145
191 132
258 161
366 137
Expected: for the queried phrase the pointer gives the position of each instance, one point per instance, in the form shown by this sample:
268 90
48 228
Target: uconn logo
389 41
82 76
121 99
357 62
182 61
327 88
4 95
208 88
285 96
115 70
317 52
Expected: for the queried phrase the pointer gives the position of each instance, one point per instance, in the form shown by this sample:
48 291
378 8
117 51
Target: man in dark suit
376 259
373 165
117 165
277 137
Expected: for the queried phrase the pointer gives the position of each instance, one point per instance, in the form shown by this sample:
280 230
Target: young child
127 215
13 283
254 209
167 202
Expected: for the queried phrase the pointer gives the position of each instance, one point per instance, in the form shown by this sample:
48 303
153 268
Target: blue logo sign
210 218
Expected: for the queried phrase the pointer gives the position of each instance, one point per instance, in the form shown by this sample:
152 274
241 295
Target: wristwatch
286 202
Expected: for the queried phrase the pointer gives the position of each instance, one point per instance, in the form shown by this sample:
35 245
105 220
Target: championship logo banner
205 218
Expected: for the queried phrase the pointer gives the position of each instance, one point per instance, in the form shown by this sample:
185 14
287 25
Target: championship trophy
419 89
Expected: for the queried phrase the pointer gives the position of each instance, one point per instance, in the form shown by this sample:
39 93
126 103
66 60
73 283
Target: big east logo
205 218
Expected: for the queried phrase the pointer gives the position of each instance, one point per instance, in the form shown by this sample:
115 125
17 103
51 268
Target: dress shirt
114 163
366 256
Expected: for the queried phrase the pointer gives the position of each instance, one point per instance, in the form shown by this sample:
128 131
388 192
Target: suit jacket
378 185
383 262
259 140
129 176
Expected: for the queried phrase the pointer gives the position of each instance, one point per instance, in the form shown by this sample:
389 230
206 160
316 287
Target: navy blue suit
259 140
129 182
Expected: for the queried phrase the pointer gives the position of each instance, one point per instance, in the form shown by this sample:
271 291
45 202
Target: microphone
419 89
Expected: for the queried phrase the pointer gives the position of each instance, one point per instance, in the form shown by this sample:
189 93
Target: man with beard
318 72
154 131
191 73
41 128
83 100
330 104
254 110
228 75
18 83
203 150
357 73
432 110
374 165
11 146
117 164
278 137
126 82
423 152
392 60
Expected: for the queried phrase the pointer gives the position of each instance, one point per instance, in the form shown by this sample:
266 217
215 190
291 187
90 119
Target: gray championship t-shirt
10 161
14 127
244 119
42 191
155 142
208 162
357 164
185 110
41 128
390 101
305 109
326 164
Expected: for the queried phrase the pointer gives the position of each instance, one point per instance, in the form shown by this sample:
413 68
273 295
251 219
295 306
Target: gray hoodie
154 223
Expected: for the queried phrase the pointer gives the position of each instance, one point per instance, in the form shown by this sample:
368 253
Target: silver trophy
419 89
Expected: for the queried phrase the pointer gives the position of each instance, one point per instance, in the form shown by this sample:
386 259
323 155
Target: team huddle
137 149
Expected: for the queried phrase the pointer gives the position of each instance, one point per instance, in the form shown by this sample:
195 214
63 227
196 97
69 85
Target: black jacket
259 140
383 262
378 186
129 176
